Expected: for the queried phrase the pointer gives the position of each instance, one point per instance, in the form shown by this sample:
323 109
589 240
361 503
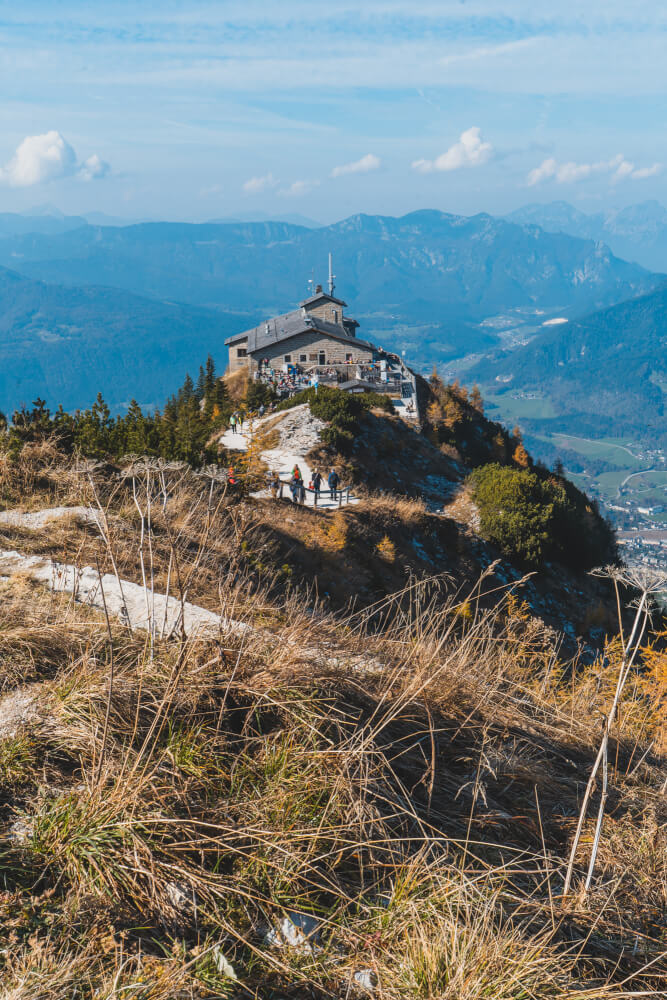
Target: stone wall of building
328 311
305 349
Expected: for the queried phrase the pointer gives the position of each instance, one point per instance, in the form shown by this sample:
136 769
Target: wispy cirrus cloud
490 51
469 151
49 157
570 172
366 164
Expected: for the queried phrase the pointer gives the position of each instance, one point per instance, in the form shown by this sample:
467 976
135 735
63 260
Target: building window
303 357
288 359
312 357
335 314
323 358
348 359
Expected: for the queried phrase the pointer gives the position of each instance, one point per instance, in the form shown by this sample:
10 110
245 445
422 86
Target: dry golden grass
409 775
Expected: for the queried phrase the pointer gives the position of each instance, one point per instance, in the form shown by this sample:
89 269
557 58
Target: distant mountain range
127 309
422 283
637 233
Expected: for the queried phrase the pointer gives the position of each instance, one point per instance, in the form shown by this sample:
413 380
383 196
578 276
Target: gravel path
299 433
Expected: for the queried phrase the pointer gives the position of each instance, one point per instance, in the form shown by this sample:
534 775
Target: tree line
182 430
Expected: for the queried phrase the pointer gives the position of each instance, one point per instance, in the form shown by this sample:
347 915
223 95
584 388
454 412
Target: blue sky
202 110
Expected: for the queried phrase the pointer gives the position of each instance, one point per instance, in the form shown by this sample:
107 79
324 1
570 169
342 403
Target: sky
194 111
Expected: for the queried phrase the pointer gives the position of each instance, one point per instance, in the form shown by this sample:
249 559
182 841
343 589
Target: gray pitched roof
318 296
289 325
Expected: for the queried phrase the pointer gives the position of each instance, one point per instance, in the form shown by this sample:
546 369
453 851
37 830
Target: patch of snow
556 321
124 600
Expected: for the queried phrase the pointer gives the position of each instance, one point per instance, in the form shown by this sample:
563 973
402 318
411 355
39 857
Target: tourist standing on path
275 486
232 423
317 484
333 481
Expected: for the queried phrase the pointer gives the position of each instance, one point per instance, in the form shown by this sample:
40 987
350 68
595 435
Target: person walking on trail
239 419
275 486
333 480
317 484
295 488
261 411
232 423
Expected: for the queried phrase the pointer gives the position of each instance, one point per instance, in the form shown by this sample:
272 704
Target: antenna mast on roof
331 277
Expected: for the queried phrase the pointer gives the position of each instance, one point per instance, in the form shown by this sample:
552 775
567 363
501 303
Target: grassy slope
414 787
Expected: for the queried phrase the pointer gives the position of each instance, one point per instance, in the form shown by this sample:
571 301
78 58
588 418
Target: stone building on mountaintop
318 342
316 335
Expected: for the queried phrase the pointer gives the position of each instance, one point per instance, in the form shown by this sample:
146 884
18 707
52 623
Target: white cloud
255 185
42 158
93 168
299 188
469 151
618 168
642 172
546 170
363 166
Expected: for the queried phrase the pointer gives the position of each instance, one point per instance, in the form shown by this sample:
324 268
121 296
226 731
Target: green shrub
532 516
341 410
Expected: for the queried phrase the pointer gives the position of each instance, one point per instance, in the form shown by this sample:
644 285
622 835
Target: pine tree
200 389
209 378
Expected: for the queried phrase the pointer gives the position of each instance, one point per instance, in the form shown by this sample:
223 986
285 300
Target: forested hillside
61 343
606 372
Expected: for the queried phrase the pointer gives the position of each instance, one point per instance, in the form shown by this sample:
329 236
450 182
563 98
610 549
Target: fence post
340 499
315 499
347 500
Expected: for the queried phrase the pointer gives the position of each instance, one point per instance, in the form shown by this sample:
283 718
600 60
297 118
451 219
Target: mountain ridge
636 232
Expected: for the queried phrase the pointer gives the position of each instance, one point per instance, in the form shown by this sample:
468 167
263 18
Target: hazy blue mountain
15 224
294 218
638 232
129 309
102 219
605 373
65 344
428 278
